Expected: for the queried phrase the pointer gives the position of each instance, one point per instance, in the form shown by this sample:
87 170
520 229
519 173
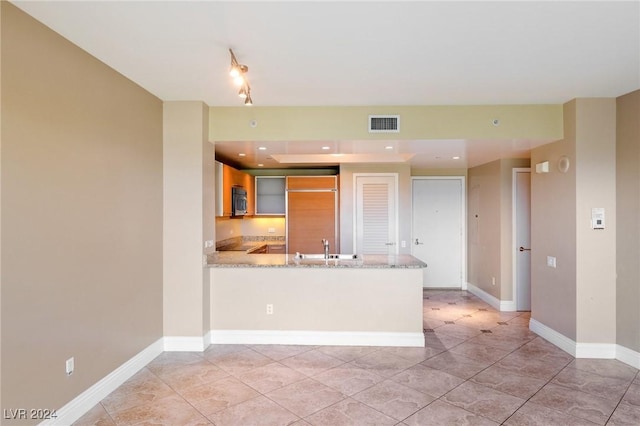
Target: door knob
418 242
524 249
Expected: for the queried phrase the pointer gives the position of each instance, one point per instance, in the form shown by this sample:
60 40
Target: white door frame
463 218
513 305
355 204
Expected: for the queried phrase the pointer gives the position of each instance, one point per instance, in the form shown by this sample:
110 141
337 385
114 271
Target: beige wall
507 253
565 298
628 221
81 216
489 227
483 227
595 167
540 122
302 297
553 233
188 217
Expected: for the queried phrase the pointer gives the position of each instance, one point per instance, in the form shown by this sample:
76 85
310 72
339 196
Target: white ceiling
322 53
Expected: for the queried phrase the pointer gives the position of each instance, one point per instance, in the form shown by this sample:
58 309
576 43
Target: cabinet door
311 217
270 195
232 177
311 182
276 248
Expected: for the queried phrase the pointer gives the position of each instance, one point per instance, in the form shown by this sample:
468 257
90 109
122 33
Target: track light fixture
238 72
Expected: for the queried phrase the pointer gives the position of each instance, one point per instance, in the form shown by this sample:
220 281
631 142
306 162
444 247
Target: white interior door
375 215
522 197
438 230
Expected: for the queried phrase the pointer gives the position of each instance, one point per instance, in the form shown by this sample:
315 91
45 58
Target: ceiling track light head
238 71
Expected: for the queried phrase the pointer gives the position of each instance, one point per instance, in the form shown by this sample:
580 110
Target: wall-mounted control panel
597 218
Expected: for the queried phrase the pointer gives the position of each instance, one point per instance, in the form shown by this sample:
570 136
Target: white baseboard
81 404
596 350
332 338
548 333
501 305
628 356
586 350
186 343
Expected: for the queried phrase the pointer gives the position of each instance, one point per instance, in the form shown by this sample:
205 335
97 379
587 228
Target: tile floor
479 367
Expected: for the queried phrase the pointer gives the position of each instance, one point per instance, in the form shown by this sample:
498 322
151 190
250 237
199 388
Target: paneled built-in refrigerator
312 213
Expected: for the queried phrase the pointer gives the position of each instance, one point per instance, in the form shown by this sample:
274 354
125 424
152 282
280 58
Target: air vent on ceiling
384 124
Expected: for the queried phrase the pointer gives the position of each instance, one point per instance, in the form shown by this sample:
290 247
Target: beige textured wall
553 233
1 405
507 252
595 167
416 122
302 297
483 227
187 220
489 227
81 216
628 221
347 205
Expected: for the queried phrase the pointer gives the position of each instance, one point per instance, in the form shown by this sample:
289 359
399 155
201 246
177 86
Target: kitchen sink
301 256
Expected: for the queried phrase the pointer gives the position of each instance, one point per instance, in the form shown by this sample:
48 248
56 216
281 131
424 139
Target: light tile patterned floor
480 367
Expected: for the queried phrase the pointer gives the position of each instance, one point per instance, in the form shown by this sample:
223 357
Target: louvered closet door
376 227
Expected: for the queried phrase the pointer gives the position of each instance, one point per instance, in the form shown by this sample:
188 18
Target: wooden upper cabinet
312 182
230 178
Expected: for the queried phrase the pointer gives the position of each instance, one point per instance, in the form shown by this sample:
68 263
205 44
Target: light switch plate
551 261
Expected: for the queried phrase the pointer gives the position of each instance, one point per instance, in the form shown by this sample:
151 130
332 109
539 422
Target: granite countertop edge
245 260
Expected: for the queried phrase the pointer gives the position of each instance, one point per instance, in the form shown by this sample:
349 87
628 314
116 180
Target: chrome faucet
325 246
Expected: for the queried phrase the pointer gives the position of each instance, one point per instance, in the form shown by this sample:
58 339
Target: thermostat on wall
597 218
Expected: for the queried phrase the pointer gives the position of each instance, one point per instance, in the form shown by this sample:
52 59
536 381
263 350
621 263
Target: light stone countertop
237 259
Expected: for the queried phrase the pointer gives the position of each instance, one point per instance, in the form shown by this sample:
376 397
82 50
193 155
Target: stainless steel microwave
238 201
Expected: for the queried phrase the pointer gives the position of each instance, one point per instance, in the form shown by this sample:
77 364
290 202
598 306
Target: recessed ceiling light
456 157
388 147
242 154
260 165
262 148
326 147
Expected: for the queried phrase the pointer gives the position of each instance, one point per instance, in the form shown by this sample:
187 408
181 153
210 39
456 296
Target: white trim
81 404
185 343
501 305
514 244
586 350
463 221
331 338
508 306
596 350
396 206
207 339
548 333
628 356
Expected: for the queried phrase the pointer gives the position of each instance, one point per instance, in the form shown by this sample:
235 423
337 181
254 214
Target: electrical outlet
403 244
69 366
269 309
271 230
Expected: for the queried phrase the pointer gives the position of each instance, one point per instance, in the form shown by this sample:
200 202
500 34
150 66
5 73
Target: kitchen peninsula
373 300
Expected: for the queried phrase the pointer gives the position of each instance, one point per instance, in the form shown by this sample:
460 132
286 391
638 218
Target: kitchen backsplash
239 240
256 226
